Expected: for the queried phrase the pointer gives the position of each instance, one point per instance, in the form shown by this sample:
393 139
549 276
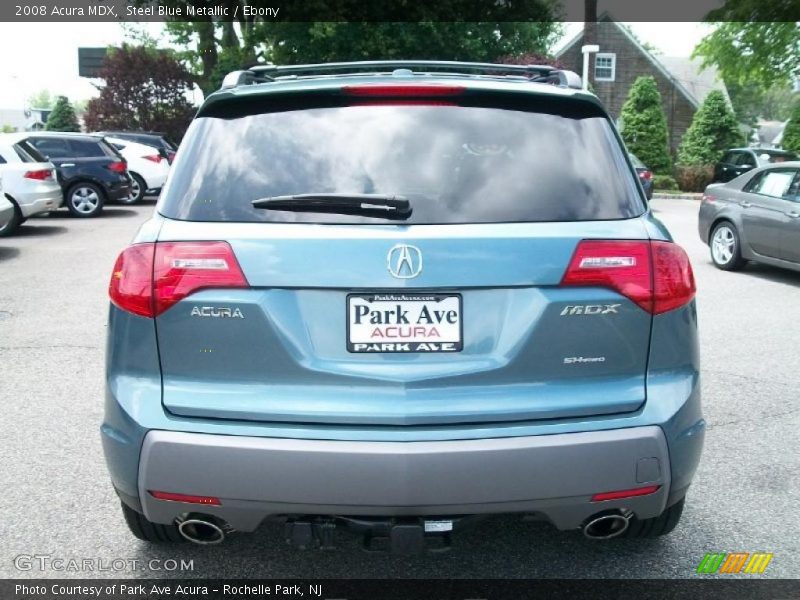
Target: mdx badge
590 309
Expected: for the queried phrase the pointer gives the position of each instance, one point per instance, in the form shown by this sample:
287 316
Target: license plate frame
445 345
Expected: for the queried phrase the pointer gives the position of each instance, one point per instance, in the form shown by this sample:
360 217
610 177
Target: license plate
403 322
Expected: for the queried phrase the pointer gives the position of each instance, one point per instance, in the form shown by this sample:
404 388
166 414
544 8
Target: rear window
456 164
777 157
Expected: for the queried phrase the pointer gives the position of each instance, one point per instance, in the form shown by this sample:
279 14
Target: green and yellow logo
734 562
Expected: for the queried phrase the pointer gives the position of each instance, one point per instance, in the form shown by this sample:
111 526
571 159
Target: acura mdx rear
394 302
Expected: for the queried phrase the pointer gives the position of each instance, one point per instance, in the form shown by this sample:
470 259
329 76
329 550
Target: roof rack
536 73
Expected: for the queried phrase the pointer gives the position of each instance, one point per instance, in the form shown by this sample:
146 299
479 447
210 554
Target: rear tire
657 526
85 200
16 220
138 188
147 530
726 247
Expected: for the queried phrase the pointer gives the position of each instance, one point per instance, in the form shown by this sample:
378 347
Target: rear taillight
39 174
170 157
646 175
156 158
118 166
149 278
655 275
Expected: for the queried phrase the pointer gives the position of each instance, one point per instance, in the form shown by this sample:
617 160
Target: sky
52 63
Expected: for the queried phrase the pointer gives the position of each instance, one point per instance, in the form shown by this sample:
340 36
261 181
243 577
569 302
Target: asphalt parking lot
57 499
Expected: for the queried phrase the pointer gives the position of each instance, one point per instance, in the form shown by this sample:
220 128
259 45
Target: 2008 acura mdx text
396 299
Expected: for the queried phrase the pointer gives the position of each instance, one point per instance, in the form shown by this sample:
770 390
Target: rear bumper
35 203
553 476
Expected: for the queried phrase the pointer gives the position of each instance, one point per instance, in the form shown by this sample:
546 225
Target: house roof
687 74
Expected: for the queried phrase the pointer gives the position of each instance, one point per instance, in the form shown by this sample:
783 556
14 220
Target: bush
713 130
694 178
644 126
62 117
664 182
791 135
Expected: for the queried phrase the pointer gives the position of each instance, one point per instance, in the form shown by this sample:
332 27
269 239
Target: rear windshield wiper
381 206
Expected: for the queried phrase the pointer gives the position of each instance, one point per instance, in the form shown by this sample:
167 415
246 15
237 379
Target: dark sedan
754 217
740 160
645 175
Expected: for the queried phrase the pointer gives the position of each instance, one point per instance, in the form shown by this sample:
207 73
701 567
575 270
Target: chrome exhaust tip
604 526
200 530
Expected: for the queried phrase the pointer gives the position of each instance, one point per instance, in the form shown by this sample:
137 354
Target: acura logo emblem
404 261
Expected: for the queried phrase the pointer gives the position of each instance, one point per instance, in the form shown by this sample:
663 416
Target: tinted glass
744 159
2 160
86 149
52 147
455 164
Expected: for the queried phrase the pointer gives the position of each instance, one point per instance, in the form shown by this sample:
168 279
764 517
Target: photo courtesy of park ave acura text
399 301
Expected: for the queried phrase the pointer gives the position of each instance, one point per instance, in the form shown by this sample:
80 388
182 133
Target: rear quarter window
456 164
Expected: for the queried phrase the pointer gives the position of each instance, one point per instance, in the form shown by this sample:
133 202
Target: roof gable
686 74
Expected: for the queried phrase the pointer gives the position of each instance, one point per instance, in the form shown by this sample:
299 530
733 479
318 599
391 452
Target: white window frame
613 67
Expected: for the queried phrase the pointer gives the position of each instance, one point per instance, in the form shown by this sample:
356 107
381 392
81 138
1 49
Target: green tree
644 126
63 117
791 135
713 130
357 30
751 101
41 99
754 41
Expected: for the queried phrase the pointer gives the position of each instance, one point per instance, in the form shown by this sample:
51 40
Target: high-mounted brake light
655 275
39 174
188 498
642 491
402 90
150 278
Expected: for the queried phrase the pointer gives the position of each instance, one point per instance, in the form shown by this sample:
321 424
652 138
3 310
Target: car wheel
85 200
148 531
726 252
14 223
657 526
138 188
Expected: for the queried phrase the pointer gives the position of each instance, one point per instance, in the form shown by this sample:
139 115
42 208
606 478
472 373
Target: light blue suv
393 297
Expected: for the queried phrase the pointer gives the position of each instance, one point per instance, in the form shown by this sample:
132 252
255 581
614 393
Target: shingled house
623 58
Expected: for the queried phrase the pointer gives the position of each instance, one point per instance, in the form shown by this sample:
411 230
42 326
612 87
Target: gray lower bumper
553 475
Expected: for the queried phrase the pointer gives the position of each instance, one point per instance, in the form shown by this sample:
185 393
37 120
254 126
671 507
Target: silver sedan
754 217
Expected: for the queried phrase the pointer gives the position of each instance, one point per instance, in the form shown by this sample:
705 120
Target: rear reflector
39 174
189 499
644 491
150 278
118 166
655 275
403 90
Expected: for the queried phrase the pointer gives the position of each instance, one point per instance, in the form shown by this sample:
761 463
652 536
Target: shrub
644 126
694 178
791 135
664 182
713 130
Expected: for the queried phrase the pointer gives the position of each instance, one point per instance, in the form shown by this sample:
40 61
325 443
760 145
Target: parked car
91 171
387 303
7 210
754 217
166 147
147 168
645 175
30 182
740 160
